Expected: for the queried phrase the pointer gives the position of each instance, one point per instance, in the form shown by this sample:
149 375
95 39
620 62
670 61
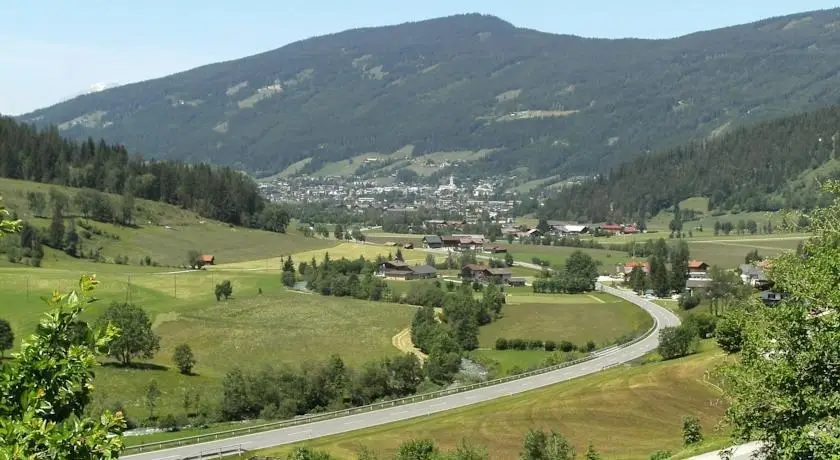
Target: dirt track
403 343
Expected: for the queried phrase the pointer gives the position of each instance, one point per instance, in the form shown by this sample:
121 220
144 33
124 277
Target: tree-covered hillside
44 156
555 104
766 167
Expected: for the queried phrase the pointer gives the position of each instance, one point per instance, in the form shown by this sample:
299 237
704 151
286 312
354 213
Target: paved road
741 452
607 358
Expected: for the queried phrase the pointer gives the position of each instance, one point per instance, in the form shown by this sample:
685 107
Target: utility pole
175 283
128 290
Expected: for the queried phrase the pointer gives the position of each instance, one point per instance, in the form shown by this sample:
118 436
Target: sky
54 49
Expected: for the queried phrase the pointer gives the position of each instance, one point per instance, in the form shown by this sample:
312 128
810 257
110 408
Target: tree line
284 392
220 193
765 167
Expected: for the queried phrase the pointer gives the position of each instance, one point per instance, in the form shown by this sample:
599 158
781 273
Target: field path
595 298
403 343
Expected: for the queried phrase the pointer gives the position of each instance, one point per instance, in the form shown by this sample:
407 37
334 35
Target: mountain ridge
549 104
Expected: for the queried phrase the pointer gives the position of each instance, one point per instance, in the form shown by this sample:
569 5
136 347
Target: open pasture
627 412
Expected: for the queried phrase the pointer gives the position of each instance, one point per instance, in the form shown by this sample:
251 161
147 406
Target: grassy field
346 250
249 330
503 362
557 255
576 318
627 412
725 251
706 219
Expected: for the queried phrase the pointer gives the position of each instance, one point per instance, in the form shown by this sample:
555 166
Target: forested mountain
766 167
44 156
554 104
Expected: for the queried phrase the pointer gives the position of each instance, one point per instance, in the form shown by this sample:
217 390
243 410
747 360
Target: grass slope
346 250
627 412
278 327
166 232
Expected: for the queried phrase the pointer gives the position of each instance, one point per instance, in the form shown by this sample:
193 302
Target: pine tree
71 240
57 228
127 206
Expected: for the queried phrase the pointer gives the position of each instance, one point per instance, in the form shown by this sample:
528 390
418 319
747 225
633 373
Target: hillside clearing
165 232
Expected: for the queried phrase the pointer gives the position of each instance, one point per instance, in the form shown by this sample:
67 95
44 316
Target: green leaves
43 395
785 388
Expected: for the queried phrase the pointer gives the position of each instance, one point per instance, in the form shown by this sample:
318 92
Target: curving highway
608 358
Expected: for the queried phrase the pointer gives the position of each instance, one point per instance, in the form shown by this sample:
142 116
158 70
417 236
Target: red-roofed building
206 259
697 268
630 265
629 229
612 228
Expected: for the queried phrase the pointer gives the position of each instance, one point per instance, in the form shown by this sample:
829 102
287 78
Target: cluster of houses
483 273
462 243
399 270
698 275
558 228
753 275
699 280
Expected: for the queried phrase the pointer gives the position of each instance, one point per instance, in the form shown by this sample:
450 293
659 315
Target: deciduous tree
274 218
676 342
151 397
136 338
224 289
37 202
417 449
193 258
43 395
783 389
184 358
539 445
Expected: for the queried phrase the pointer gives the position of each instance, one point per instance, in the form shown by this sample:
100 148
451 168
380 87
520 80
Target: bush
692 431
704 323
590 346
661 455
168 423
566 346
728 332
223 289
515 344
676 342
535 344
687 301
501 344
550 345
